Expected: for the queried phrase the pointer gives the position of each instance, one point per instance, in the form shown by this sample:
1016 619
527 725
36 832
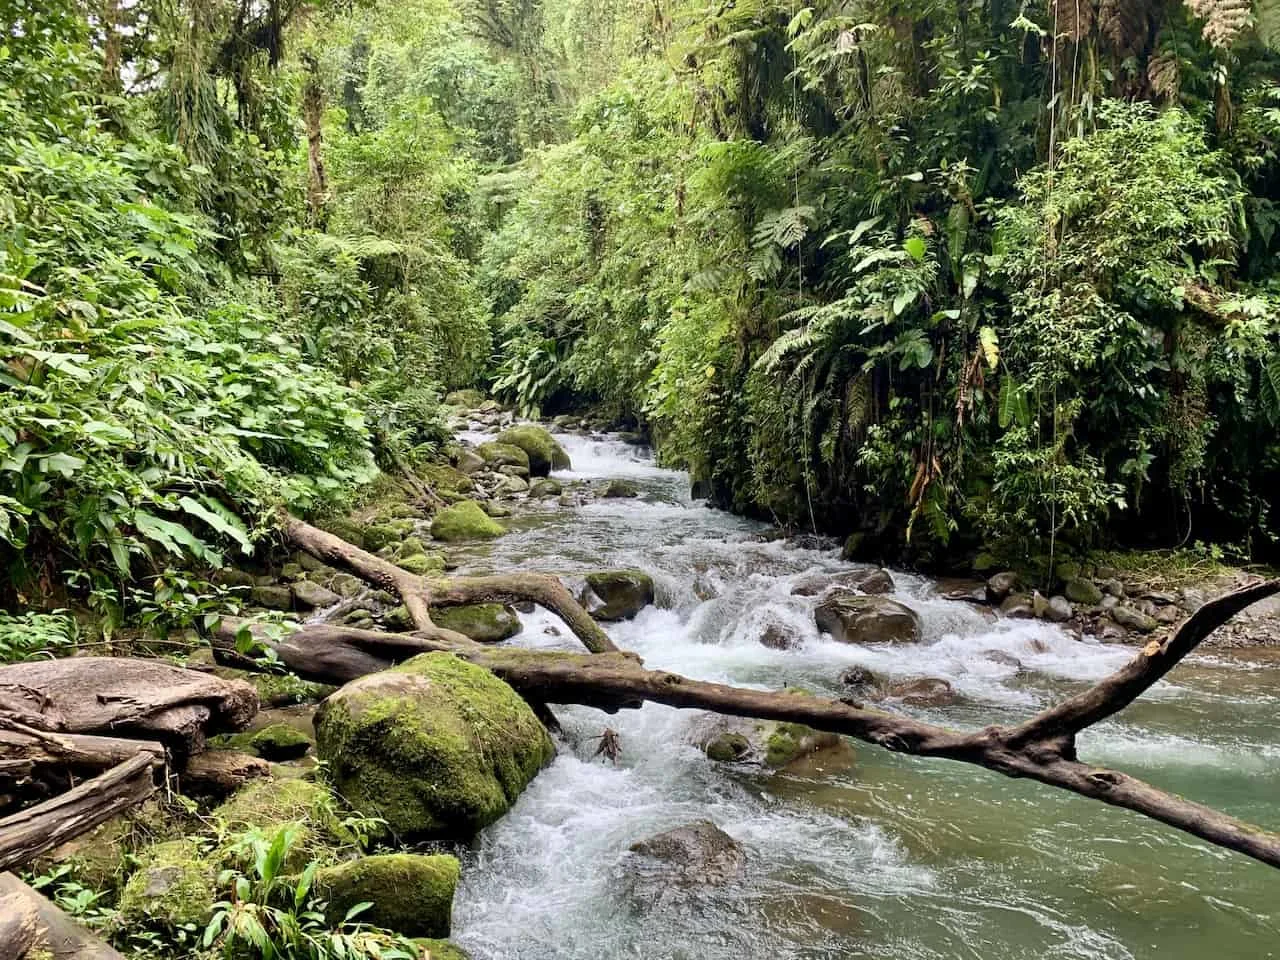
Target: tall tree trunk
312 115
110 46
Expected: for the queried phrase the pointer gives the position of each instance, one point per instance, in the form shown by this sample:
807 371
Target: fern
1224 20
1269 391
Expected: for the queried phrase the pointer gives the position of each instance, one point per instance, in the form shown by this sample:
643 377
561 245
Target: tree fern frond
1125 24
1165 76
1224 20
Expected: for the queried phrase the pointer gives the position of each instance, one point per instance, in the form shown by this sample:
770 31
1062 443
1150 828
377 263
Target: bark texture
56 932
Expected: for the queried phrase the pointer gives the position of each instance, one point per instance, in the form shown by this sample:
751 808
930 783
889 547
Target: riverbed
897 858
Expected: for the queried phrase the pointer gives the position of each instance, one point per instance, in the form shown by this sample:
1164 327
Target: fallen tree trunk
33 831
113 695
18 926
55 931
1042 748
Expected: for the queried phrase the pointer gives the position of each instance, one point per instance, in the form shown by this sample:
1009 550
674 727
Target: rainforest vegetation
969 284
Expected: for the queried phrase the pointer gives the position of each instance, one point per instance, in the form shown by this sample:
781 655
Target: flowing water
896 858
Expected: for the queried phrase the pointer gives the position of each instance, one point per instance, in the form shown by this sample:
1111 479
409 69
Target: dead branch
419 593
27 834
1042 748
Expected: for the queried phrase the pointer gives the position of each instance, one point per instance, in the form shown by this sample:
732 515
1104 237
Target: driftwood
55 931
1042 748
33 831
110 696
26 750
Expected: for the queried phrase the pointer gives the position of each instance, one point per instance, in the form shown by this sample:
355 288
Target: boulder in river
544 453
1000 585
545 487
770 743
498 455
851 618
411 893
923 692
1132 619
610 595
482 622
1080 590
436 747
700 854
865 578
1018 606
779 636
310 596
618 488
465 521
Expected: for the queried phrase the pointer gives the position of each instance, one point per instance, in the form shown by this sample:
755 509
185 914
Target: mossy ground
172 887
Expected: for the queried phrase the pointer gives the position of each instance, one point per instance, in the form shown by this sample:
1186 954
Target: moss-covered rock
545 487
465 521
173 886
273 596
379 535
287 690
770 743
442 949
615 594
445 478
1079 590
348 530
483 622
544 453
411 894
469 399
436 747
308 595
503 455
411 547
423 564
279 741
617 489
271 805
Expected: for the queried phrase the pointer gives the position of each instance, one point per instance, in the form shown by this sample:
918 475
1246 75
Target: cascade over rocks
544 453
436 747
851 618
866 578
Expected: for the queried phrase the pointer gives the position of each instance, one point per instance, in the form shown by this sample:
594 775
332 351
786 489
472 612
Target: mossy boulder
1080 590
436 747
273 596
442 949
172 887
348 530
308 595
465 521
617 489
615 594
380 535
446 478
287 690
279 741
483 622
771 744
412 894
423 564
544 453
545 487
469 399
503 455
307 807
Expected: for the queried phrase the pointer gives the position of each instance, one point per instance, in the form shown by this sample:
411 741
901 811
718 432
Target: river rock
1168 615
851 618
1004 658
411 893
309 595
545 487
468 399
543 452
618 489
779 636
497 510
273 596
1113 587
498 455
1000 585
865 578
1059 610
615 594
482 622
700 854
1018 606
465 521
470 462
423 564
1132 619
1083 591
923 692
770 743
436 747
860 679
513 484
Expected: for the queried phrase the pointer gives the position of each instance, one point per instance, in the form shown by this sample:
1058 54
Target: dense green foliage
960 277
954 276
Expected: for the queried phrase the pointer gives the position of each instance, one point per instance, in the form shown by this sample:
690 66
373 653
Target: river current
895 858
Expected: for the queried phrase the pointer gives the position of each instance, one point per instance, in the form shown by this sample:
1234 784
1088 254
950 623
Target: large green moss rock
544 453
443 949
411 894
422 564
279 741
465 521
483 622
503 455
468 399
267 806
436 747
173 886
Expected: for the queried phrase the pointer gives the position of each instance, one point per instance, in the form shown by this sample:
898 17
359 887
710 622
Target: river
898 858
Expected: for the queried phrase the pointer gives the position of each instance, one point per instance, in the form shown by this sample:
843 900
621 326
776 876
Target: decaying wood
220 773
18 926
1042 748
30 832
110 696
419 593
25 747
56 932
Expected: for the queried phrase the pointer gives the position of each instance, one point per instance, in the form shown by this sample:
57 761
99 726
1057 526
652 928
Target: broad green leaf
990 346
916 247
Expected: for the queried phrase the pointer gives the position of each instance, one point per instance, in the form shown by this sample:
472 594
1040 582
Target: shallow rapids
899 858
